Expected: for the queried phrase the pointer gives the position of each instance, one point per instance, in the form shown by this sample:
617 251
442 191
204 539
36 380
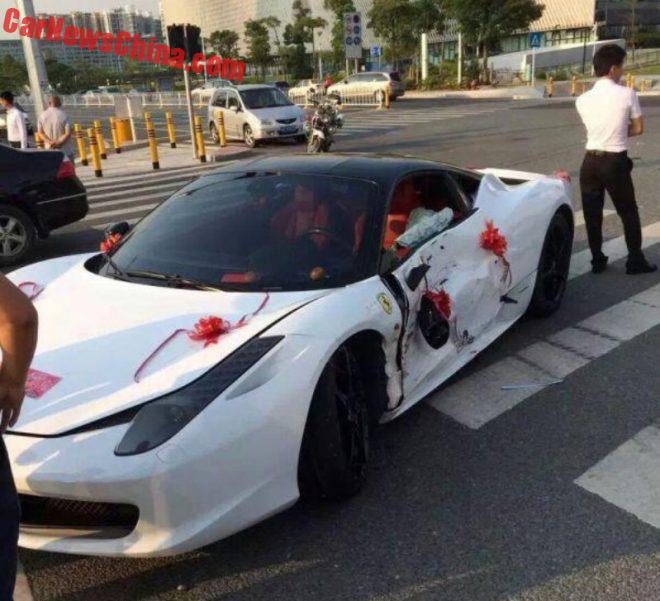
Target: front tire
17 234
335 445
248 137
314 145
554 265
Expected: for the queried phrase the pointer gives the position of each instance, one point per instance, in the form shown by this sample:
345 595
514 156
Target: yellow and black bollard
100 139
96 155
387 97
39 140
115 135
199 135
82 149
170 129
222 134
550 87
574 86
147 118
153 144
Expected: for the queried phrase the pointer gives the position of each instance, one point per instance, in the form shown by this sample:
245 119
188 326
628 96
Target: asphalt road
449 512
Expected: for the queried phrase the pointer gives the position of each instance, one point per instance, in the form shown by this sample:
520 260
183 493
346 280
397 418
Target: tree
224 43
297 34
484 23
394 21
428 17
273 23
338 7
256 39
13 74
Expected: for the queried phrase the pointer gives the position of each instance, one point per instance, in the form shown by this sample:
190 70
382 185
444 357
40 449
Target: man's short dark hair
8 97
606 57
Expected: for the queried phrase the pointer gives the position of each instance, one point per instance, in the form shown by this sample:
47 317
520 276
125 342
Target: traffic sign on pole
353 35
535 39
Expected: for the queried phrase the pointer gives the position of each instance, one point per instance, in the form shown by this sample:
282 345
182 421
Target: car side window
380 77
219 99
233 102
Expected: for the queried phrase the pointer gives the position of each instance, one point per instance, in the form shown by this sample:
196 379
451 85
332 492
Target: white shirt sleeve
635 108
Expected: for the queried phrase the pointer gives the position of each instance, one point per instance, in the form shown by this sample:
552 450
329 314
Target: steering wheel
330 234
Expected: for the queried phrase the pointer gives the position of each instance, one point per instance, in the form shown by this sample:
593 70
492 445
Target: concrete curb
22 591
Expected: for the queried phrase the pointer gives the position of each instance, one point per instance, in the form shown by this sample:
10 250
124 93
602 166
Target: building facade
110 21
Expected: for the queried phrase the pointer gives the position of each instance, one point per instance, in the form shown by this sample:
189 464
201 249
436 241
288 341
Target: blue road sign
349 41
535 40
356 30
357 41
375 51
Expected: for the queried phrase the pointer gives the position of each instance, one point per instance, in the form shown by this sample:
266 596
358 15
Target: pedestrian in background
612 114
17 133
18 339
55 128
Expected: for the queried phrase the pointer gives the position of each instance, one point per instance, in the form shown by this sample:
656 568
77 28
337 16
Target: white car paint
236 462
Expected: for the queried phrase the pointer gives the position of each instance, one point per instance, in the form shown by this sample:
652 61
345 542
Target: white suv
254 113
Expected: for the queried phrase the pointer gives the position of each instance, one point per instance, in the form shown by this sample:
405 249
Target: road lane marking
131 201
124 211
479 398
172 186
629 477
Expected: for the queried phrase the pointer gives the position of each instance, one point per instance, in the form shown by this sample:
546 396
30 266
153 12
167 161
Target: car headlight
157 421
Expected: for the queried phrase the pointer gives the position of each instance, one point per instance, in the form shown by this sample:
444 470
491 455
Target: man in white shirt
612 114
55 128
17 133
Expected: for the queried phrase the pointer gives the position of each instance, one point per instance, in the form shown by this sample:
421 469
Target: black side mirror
120 228
416 275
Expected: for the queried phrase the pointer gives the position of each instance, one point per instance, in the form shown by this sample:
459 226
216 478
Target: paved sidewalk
138 161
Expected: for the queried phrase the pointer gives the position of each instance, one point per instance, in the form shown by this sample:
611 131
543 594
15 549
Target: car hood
281 112
95 332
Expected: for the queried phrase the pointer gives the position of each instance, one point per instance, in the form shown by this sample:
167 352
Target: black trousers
9 517
610 172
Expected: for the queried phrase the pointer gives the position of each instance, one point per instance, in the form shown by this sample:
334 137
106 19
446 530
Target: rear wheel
17 234
335 445
552 275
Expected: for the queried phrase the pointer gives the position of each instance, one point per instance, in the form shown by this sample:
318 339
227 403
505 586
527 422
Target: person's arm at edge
636 125
62 140
18 340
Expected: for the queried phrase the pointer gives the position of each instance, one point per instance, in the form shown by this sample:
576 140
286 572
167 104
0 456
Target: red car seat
406 198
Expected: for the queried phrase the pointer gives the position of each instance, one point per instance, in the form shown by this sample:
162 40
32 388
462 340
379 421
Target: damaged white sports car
232 352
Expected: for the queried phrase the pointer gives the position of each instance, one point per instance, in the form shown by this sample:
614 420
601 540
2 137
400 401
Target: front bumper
229 468
274 132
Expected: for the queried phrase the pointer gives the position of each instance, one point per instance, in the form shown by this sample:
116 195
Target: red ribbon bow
209 329
36 289
491 239
441 301
110 242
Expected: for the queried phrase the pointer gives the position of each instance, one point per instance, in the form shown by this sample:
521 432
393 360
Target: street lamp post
34 61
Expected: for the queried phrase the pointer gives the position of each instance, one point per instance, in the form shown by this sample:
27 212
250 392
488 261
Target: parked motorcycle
325 122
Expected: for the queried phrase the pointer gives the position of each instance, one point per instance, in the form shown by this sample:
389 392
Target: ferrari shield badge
385 303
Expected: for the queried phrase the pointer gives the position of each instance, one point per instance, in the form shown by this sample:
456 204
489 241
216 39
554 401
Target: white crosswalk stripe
397 118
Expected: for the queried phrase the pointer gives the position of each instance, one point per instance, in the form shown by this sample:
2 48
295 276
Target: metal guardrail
354 98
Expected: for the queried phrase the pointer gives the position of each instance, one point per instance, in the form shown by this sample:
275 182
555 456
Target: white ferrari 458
233 351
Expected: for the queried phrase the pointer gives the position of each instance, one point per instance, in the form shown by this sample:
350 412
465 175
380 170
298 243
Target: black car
39 192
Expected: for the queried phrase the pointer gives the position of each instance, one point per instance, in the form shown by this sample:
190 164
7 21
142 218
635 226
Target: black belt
605 153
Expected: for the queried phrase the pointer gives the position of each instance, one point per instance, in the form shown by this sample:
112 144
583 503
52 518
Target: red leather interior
406 198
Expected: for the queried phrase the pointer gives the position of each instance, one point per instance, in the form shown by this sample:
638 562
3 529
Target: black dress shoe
640 266
598 265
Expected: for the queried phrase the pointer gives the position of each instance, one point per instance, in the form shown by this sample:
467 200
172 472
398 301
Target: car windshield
247 231
261 98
